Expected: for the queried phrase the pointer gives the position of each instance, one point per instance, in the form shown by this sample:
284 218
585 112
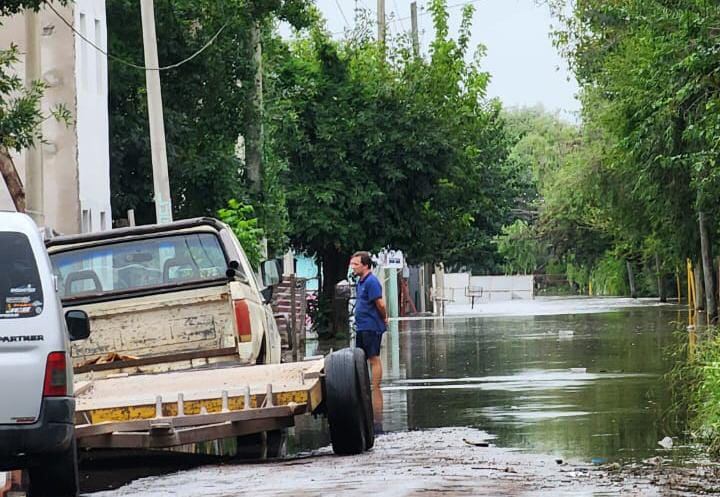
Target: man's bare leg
376 370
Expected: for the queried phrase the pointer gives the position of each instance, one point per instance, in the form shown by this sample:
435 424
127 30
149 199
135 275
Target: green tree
241 219
204 100
520 248
387 149
647 72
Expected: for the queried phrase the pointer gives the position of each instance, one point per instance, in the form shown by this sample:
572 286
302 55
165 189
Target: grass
695 384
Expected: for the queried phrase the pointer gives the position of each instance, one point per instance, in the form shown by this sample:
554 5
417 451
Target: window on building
83 51
99 62
86 221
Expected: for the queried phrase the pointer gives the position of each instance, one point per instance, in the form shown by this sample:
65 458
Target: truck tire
262 354
57 476
265 445
363 374
344 403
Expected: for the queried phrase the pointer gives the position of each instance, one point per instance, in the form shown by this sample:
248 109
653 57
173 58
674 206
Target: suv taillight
242 320
55 375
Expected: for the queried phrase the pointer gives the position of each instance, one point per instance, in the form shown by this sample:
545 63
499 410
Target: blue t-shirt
367 315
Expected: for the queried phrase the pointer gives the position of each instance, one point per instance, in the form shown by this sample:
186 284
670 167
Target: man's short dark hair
365 258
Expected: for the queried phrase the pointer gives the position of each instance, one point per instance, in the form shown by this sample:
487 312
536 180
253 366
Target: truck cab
164 297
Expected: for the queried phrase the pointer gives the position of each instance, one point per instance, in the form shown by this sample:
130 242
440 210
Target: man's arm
380 304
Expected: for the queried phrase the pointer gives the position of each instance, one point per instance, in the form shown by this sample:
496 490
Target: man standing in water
370 313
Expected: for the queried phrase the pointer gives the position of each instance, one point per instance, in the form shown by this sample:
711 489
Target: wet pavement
568 402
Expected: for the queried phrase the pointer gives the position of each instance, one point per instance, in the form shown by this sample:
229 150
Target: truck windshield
21 293
139 265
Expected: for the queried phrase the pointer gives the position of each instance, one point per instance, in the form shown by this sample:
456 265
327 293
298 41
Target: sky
526 69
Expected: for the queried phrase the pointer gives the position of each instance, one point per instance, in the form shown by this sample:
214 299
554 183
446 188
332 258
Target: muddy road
442 462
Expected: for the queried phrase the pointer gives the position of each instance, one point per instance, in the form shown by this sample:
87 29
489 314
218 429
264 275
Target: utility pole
414 24
381 22
33 157
161 182
254 130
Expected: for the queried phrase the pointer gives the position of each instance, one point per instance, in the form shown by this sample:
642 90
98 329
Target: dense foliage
387 149
365 146
204 100
629 191
241 219
648 73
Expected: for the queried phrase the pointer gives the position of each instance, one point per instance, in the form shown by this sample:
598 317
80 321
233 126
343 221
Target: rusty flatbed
177 408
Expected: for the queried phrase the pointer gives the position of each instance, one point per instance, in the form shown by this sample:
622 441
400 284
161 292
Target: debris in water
578 370
476 444
666 443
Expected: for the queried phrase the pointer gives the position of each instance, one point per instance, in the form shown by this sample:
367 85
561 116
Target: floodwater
586 386
492 395
587 383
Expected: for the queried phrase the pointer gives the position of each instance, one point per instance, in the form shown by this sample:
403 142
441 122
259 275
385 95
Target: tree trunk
708 272
254 129
661 287
12 180
334 269
699 287
631 279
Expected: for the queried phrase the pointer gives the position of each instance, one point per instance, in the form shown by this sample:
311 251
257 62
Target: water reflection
586 386
378 403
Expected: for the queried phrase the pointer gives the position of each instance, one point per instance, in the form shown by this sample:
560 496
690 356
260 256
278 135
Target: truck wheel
344 403
57 476
265 445
262 355
363 376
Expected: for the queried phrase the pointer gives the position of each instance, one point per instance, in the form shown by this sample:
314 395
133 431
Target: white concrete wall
92 110
76 156
455 285
494 288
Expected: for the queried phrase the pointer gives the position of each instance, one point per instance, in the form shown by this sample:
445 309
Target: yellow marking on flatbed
131 413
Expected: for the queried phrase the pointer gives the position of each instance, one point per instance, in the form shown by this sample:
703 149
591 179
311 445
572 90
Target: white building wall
92 111
76 159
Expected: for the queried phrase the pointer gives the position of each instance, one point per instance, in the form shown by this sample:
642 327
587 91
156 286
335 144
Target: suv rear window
139 265
21 293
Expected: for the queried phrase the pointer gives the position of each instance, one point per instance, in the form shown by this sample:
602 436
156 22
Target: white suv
37 407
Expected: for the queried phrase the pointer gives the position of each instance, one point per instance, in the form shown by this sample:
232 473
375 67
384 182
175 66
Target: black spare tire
363 375
346 409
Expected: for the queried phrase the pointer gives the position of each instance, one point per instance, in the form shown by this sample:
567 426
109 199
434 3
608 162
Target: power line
450 7
342 13
397 12
130 64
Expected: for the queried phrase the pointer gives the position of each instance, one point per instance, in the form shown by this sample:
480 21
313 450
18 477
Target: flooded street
543 404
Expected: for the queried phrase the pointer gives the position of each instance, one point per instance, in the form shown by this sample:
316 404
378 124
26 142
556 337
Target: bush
241 219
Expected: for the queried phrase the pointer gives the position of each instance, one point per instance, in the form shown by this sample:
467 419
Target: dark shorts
369 341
